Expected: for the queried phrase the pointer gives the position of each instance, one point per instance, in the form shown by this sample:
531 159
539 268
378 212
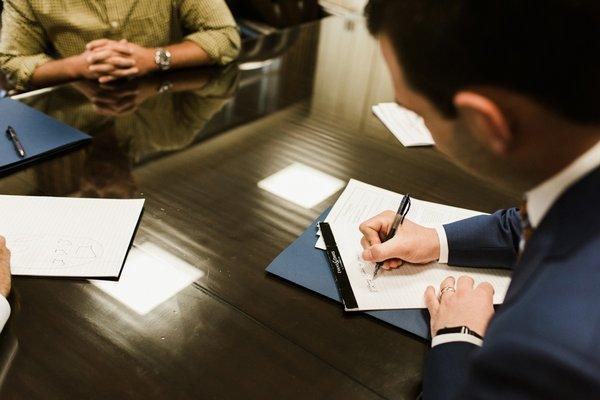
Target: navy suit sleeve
485 240
515 368
445 369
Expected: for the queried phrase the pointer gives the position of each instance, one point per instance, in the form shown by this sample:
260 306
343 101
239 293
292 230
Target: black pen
12 135
398 220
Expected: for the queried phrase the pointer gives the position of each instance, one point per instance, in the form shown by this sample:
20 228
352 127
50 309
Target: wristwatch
458 329
162 58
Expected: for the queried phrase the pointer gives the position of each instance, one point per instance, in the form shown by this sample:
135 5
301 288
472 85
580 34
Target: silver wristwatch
162 58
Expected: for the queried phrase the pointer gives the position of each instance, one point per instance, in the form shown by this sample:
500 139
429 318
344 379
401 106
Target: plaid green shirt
37 31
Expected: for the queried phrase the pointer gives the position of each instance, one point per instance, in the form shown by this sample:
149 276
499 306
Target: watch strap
459 329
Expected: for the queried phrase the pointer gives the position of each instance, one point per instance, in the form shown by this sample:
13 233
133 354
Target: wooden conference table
196 152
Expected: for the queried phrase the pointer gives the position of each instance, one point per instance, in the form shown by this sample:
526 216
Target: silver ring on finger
444 290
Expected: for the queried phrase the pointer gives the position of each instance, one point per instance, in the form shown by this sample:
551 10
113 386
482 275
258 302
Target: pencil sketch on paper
53 251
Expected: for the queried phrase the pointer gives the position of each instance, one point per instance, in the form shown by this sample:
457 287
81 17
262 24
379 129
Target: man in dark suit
510 90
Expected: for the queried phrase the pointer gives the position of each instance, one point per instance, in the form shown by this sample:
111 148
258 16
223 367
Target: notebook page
68 237
361 201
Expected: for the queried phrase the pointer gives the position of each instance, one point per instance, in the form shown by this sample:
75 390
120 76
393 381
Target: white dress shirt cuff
441 232
4 311
455 337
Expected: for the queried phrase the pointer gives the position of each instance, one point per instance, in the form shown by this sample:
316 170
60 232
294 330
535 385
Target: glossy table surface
196 152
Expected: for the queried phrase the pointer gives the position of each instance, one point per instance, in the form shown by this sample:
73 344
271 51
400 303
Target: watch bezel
162 58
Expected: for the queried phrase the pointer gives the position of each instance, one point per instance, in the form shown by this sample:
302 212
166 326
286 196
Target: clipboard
304 265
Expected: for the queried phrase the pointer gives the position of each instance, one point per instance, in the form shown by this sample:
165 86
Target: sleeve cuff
222 46
455 337
19 69
4 311
441 232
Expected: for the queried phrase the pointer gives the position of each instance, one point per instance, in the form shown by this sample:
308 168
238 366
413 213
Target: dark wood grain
193 346
236 332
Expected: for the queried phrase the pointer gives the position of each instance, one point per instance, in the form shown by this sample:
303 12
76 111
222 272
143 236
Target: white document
68 237
408 127
402 288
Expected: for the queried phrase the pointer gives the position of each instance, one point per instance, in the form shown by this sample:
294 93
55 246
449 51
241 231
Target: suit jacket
544 341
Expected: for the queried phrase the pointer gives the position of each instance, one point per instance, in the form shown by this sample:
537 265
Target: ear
485 120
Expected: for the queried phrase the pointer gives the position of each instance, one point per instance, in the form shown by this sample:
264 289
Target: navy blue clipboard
304 265
40 135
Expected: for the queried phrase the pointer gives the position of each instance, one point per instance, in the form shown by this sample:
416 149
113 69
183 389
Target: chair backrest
276 13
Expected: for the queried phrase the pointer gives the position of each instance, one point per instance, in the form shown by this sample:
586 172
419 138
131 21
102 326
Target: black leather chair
276 13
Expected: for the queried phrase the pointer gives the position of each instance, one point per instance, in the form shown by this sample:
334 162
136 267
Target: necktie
526 228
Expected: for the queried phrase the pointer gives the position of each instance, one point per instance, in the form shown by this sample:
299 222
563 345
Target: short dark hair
548 50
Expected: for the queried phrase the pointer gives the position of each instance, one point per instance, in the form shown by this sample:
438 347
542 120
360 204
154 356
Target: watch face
163 59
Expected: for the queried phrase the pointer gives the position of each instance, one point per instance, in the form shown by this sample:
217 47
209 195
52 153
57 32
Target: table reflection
131 122
151 276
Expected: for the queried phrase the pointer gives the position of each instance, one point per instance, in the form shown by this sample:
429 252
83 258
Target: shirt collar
541 198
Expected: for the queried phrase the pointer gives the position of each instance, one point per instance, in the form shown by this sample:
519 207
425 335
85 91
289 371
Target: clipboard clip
337 267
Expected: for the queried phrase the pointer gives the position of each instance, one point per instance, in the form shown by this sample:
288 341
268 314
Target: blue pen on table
12 136
398 220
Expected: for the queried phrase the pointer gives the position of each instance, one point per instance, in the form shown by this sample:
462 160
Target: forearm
222 46
486 240
212 28
502 369
188 54
183 55
446 370
57 71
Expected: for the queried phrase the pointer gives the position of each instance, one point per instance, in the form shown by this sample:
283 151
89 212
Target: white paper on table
68 237
402 288
408 127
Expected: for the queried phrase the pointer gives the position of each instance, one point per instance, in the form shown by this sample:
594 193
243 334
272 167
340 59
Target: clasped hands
467 305
106 60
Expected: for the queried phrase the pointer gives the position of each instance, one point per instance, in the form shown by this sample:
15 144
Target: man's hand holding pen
412 243
459 304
